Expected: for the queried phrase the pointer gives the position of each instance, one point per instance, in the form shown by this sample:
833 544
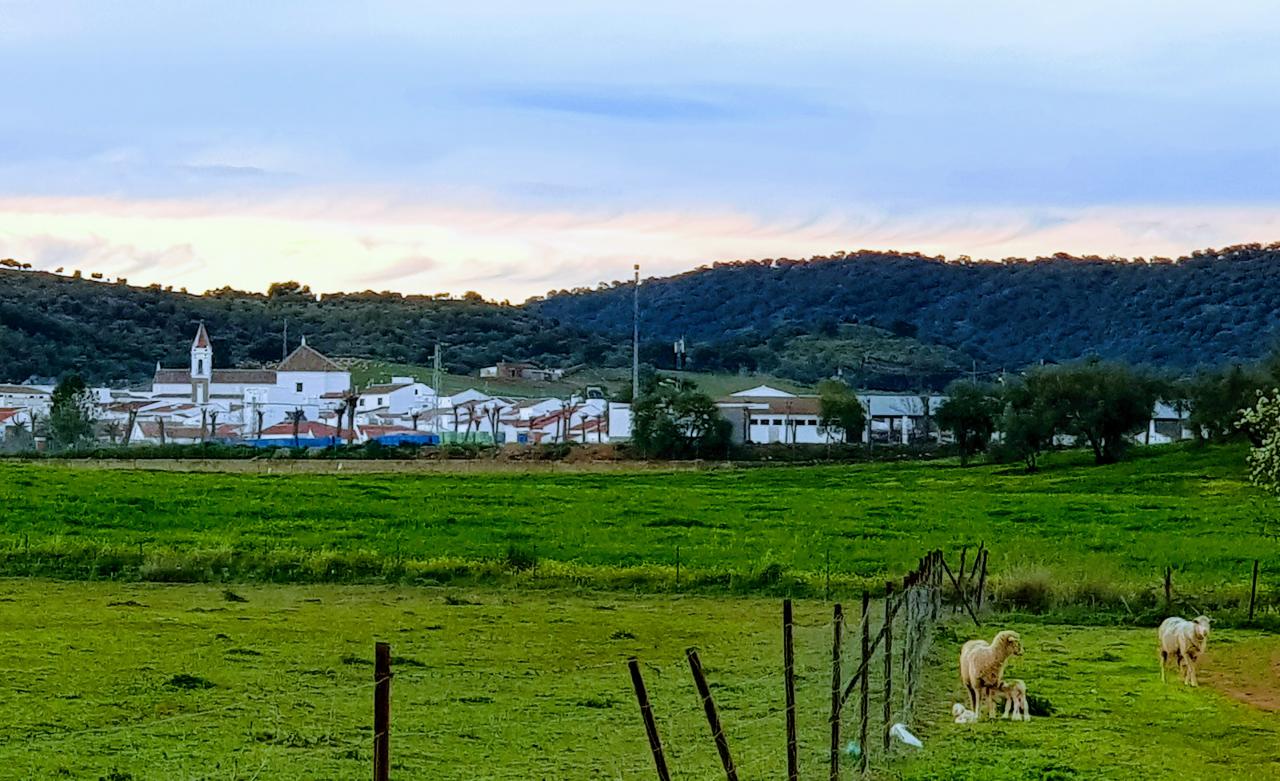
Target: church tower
201 366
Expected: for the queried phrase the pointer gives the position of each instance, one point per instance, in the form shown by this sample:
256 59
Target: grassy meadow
1072 534
132 681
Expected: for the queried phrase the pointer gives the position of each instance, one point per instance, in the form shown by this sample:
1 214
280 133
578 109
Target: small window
362 401
297 387
379 404
199 366
777 421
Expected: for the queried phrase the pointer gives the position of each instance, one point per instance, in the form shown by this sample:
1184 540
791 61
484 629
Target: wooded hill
1211 308
883 319
50 325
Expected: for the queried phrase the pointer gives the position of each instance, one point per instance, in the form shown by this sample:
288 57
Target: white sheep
962 714
1014 692
1185 641
982 667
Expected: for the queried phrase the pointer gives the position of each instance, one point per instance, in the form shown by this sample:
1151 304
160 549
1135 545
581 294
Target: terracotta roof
9 412
305 359
308 429
202 337
151 430
220 376
24 389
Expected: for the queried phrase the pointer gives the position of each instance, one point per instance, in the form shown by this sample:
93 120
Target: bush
521 559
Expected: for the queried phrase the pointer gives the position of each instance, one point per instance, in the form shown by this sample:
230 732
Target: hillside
1210 308
50 325
887 320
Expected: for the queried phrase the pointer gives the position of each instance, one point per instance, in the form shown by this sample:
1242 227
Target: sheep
1185 641
1014 692
962 714
982 667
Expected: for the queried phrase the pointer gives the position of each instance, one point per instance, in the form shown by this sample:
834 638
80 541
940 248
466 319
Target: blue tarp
391 440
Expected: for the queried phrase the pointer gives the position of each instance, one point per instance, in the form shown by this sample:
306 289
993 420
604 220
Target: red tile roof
306 359
309 429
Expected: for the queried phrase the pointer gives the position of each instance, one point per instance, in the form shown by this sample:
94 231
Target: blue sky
514 149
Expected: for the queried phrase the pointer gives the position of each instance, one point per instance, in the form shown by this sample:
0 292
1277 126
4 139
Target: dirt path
1248 671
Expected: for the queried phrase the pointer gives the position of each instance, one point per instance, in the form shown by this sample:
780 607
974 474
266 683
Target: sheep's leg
1008 706
973 698
1164 664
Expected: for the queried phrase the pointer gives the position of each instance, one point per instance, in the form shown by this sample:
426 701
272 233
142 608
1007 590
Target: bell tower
201 366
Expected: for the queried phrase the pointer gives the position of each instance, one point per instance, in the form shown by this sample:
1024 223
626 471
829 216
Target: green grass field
176 682
1073 534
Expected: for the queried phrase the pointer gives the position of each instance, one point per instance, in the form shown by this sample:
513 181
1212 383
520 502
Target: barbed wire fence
909 612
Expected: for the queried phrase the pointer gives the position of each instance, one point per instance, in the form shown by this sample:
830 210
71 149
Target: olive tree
969 413
840 410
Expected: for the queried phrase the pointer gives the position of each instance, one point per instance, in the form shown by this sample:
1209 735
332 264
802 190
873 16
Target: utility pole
435 380
284 342
635 338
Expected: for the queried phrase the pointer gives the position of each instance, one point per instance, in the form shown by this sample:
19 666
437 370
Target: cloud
364 241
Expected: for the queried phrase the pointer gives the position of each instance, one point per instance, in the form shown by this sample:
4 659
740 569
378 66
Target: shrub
521 559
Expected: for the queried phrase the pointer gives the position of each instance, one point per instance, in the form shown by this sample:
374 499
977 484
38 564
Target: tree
1099 402
1218 399
296 416
840 410
71 415
676 421
1028 424
1263 419
969 413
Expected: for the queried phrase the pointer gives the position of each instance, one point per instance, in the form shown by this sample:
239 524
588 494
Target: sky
515 148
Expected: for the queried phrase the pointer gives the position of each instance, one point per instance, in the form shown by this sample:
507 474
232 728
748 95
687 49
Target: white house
35 398
401 397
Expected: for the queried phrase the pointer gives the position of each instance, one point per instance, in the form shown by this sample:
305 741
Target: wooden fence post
837 631
381 711
1168 588
865 690
1253 590
982 580
789 672
888 662
827 594
713 718
646 713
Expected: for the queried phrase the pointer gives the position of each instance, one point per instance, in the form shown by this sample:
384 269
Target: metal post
635 338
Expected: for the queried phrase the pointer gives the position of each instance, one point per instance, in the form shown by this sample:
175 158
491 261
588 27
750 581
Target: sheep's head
1202 627
1009 642
958 710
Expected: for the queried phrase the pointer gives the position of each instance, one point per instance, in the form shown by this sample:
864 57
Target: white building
767 415
254 399
401 397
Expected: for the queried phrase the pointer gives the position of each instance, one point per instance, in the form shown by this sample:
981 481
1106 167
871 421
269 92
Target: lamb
1185 641
962 714
1014 692
982 667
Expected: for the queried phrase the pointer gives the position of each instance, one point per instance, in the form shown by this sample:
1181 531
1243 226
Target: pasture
132 681
1073 534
